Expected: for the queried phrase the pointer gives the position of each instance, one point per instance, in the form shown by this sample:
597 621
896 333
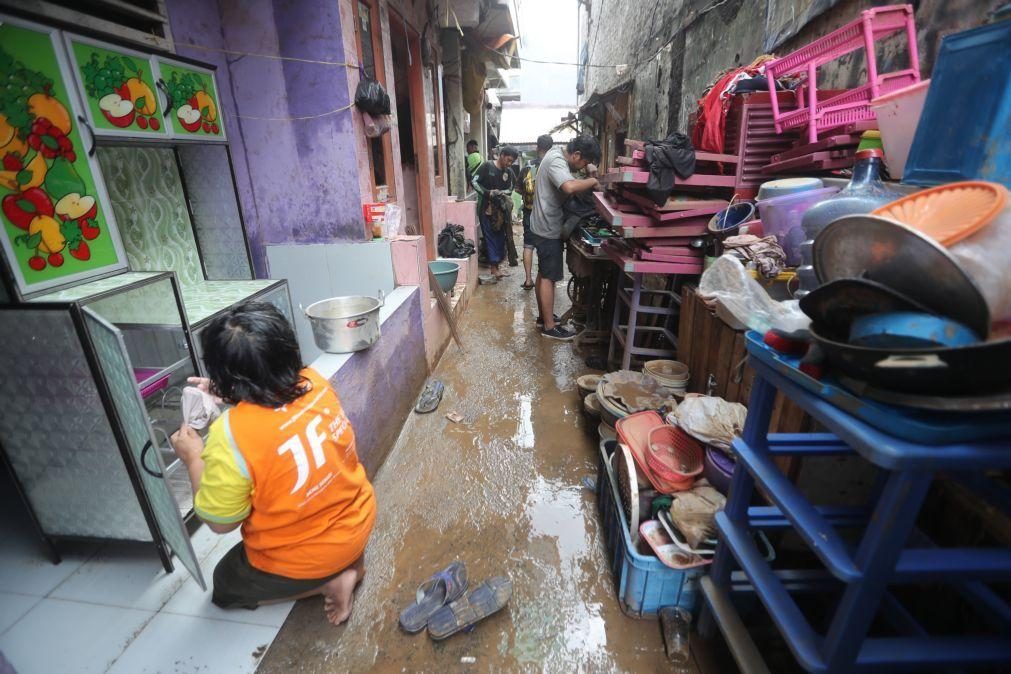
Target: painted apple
189 117
119 111
73 206
22 208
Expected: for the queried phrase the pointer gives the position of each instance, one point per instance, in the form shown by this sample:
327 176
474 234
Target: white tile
192 601
183 644
25 568
123 575
68 636
13 607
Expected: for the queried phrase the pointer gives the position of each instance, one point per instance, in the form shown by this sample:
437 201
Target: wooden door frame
419 130
376 33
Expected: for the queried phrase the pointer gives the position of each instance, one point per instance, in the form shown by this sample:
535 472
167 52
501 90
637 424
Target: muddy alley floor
501 493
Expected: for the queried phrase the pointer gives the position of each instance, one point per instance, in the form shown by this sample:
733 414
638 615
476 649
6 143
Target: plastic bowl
445 273
587 384
591 405
718 469
780 188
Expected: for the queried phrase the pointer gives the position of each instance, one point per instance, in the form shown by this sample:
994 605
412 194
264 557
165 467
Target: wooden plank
701 364
705 214
685 322
829 142
659 257
723 364
631 265
811 159
691 229
674 203
616 218
667 241
736 355
635 144
716 157
676 250
627 176
631 177
629 161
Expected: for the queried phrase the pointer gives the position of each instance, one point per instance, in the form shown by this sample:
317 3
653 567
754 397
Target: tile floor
112 608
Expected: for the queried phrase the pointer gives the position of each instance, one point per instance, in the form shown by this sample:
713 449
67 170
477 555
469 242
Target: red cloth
710 128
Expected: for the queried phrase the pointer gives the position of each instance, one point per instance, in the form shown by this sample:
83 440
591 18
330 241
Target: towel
199 408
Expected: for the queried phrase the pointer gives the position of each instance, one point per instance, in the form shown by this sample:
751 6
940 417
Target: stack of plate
670 374
587 384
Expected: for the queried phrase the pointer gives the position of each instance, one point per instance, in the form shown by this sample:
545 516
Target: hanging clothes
674 154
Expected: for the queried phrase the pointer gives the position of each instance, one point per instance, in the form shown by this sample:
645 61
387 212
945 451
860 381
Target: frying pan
838 303
975 369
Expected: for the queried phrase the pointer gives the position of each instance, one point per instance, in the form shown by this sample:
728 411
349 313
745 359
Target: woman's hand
187 443
204 384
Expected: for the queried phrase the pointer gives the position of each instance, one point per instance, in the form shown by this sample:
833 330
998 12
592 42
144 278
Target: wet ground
502 492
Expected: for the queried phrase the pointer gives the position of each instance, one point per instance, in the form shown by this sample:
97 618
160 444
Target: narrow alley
501 491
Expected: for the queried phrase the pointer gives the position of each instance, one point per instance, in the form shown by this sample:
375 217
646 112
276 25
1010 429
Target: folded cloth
673 154
199 408
765 252
694 512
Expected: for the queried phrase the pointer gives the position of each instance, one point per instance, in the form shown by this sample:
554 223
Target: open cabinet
90 395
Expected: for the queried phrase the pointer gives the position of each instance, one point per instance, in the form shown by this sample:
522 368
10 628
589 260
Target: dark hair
587 147
545 142
509 151
252 355
471 143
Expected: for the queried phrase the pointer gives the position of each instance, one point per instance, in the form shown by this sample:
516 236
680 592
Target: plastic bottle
676 624
865 192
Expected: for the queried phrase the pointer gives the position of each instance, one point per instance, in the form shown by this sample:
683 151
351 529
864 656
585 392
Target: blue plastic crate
644 584
964 131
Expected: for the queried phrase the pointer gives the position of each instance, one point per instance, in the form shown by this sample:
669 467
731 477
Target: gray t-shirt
547 218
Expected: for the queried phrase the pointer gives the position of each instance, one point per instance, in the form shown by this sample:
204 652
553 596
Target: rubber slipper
527 286
443 587
430 397
487 598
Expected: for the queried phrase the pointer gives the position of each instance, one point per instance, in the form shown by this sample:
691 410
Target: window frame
375 31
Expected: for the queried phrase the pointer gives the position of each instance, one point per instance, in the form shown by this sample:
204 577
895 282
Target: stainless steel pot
345 324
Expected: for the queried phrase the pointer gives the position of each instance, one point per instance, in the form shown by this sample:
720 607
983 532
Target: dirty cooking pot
345 324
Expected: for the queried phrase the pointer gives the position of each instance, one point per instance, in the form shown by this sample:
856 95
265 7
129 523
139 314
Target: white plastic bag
728 282
391 221
985 256
711 420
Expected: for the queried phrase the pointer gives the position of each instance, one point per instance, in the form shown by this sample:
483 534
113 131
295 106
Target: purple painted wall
378 386
297 179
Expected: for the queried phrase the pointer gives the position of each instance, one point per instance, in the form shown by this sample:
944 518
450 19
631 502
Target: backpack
529 183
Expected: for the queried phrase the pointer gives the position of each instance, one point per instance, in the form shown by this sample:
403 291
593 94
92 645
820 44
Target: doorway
405 50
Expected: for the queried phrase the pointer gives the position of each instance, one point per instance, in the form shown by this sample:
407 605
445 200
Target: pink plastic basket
674 456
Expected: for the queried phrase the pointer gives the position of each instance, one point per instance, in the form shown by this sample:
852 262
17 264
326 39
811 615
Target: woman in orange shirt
282 465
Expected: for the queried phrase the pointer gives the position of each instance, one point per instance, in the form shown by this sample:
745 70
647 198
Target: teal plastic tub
445 272
644 584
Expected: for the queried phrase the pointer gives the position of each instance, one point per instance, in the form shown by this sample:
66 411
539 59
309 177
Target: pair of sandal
440 604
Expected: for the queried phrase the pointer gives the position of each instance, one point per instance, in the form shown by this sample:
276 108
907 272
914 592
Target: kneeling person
282 465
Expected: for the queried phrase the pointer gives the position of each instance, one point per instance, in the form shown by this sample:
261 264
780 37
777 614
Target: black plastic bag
370 97
452 244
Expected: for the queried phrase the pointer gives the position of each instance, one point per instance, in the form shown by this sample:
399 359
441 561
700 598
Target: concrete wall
378 386
675 49
297 179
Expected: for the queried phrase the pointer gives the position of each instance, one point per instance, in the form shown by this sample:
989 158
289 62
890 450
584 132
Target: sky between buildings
548 32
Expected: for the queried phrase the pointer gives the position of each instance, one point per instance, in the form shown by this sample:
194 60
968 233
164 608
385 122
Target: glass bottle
865 192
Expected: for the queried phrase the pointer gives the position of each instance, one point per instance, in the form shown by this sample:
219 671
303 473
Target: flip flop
442 588
487 598
430 397
527 286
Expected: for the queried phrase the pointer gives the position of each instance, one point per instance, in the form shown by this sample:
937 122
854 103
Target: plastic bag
370 97
391 221
710 420
375 126
694 512
452 243
728 282
985 257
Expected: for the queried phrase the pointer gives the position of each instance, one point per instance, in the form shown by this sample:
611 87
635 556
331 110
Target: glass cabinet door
194 108
118 88
57 227
143 353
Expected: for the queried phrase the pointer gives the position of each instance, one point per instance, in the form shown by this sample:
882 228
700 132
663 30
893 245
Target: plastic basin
445 273
781 217
898 113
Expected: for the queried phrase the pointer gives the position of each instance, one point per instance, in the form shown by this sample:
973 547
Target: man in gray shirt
555 183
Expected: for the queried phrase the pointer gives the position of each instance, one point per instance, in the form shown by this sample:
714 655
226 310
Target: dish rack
853 105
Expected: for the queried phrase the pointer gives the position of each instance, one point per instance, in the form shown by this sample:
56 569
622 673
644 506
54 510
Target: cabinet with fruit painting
118 87
57 228
193 100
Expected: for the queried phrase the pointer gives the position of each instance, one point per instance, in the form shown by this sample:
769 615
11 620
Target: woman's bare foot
338 595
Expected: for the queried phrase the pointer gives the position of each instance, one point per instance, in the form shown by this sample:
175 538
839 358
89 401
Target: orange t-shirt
310 505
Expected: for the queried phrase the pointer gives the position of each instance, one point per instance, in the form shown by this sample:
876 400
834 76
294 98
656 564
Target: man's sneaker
540 321
559 333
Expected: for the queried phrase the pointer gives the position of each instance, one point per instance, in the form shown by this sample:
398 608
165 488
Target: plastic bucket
781 217
898 113
445 273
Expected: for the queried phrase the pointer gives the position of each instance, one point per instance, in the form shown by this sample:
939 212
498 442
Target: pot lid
881 250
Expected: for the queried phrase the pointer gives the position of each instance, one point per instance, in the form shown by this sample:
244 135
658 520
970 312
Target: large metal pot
345 324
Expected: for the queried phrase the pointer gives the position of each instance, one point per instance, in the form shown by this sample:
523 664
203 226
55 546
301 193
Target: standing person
527 182
474 159
554 184
493 183
282 465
